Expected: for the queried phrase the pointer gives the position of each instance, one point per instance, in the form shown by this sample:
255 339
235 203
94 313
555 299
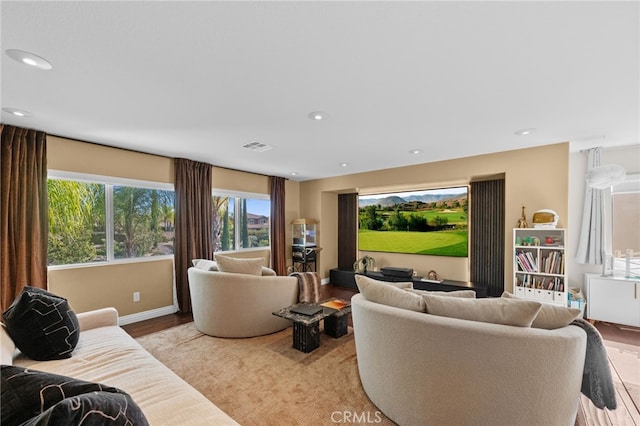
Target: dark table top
310 319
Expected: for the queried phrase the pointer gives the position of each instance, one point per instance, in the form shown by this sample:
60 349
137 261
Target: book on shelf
553 263
526 261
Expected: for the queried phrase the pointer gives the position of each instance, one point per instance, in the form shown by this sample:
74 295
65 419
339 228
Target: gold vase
522 222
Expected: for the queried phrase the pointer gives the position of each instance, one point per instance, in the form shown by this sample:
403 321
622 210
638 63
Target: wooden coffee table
306 328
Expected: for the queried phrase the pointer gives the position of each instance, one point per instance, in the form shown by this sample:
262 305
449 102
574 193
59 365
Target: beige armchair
228 304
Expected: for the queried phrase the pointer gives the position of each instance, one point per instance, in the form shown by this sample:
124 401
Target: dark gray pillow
42 325
31 397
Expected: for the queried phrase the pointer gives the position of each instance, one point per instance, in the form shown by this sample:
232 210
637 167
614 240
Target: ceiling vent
257 146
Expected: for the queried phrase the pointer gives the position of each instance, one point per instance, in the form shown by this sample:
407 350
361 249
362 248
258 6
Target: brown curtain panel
278 227
487 235
25 225
193 221
347 231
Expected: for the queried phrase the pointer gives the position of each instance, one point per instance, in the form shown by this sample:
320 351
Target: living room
543 170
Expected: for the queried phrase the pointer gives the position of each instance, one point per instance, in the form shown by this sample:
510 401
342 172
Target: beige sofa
422 369
229 304
106 354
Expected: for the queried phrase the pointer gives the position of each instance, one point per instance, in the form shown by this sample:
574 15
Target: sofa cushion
212 265
7 347
364 278
41 398
469 294
251 266
268 272
550 316
387 293
42 325
205 264
515 312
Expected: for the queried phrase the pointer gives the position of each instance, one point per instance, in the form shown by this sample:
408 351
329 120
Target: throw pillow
389 294
515 312
268 272
205 264
38 398
364 278
7 347
92 409
252 266
550 316
469 294
42 325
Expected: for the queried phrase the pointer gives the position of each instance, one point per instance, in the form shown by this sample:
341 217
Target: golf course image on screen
430 222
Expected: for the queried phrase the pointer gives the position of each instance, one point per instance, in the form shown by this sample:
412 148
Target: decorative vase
522 222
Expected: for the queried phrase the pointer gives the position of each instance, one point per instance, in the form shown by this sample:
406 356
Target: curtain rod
612 148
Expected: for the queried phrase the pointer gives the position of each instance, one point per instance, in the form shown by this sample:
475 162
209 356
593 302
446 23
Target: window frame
238 195
612 264
109 182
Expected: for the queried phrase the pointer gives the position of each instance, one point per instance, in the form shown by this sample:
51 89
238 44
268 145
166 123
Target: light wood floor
623 348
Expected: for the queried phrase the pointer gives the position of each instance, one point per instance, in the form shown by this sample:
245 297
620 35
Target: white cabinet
613 299
539 265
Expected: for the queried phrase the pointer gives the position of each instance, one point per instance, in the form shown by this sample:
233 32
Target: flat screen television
430 222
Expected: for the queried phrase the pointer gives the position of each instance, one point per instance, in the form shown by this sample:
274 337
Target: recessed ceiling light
524 132
294 173
17 112
29 58
317 115
343 164
415 151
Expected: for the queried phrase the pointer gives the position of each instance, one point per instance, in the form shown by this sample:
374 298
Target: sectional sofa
106 354
426 369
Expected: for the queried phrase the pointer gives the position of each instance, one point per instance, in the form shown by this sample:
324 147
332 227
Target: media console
344 278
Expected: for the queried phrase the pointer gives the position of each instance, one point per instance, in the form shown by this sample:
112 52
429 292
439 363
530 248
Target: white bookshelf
539 271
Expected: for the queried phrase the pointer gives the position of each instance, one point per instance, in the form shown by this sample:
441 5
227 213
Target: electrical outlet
136 296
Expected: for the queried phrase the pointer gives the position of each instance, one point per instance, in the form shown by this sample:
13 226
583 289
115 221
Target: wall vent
257 146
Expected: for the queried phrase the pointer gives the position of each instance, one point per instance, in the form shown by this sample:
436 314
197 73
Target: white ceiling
201 79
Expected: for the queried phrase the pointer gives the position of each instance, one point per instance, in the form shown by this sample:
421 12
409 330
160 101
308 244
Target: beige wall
536 178
95 286
81 157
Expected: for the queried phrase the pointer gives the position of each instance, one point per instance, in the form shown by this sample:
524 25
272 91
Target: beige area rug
264 381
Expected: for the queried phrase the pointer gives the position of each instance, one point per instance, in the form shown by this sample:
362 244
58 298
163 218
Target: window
625 226
240 221
142 222
98 219
77 228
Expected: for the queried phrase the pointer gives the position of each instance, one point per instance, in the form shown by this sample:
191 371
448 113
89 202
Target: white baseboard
325 281
154 313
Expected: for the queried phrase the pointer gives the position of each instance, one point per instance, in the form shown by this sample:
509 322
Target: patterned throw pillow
37 398
42 325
